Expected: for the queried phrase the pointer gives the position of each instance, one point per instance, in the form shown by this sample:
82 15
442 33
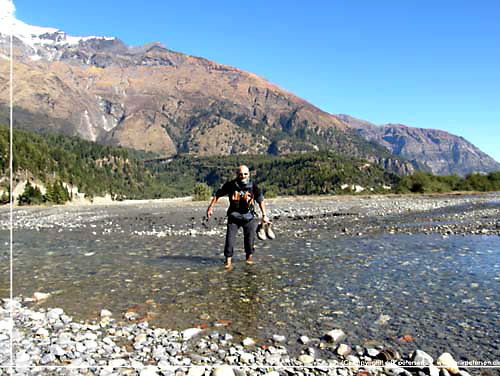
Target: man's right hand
209 212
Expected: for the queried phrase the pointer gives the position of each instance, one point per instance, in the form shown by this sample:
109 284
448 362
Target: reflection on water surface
443 292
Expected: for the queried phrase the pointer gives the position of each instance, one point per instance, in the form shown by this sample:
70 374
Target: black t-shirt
241 196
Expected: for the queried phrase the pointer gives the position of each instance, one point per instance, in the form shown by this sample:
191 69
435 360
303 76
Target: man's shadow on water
192 260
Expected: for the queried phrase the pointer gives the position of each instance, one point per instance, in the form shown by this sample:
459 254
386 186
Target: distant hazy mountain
154 99
441 151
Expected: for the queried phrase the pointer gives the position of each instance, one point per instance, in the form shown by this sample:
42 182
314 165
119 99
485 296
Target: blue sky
430 64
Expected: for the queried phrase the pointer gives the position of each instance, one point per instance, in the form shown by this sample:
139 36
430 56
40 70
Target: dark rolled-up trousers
249 228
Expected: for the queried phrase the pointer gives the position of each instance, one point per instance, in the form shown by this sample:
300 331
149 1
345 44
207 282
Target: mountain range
154 99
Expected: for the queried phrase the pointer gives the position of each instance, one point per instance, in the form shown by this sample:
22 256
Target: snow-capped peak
34 35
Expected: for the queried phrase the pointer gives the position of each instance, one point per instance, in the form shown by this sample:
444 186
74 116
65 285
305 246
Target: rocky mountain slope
442 152
154 99
158 100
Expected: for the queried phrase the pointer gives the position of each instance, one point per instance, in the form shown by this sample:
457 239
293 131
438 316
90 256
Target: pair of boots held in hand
265 231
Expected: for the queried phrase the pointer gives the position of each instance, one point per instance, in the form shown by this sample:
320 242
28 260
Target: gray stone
90 336
335 336
57 325
352 359
166 368
304 340
371 352
136 364
149 371
279 338
57 350
240 371
273 359
64 339
47 358
306 359
65 319
80 347
106 371
202 345
343 371
140 339
190 333
311 351
22 357
446 361
118 363
394 370
90 344
36 316
343 349
196 371
421 359
224 370
433 370
248 342
54 313
247 358
231 359
77 362
42 333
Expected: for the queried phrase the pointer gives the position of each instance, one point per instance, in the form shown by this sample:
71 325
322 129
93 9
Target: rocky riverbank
49 342
446 214
464 214
47 338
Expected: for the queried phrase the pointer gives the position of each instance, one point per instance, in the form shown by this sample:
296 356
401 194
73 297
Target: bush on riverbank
55 193
31 196
421 182
202 192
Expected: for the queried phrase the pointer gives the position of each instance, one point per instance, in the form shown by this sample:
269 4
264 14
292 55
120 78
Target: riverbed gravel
464 213
48 341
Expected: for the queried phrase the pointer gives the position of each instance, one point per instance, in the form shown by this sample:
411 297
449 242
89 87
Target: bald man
242 195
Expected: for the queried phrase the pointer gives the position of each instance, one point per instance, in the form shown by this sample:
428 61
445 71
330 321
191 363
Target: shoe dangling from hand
261 232
268 228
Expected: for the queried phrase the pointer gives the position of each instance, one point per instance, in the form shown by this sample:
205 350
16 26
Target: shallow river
428 292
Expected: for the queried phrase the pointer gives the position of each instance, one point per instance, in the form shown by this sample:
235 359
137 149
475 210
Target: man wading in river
241 213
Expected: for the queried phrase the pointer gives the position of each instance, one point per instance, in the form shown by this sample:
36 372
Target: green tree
56 193
5 199
30 196
202 192
419 182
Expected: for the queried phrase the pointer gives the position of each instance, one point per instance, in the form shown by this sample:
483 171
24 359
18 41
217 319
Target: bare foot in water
250 259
